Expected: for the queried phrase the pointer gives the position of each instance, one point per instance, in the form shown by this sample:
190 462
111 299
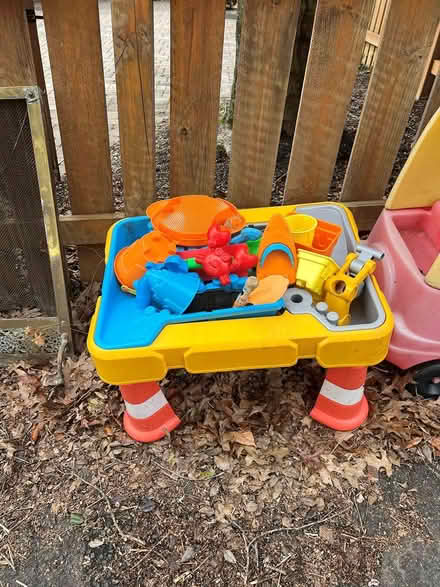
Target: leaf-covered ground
249 490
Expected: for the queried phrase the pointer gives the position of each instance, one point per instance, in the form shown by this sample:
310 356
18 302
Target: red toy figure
243 261
218 236
216 264
221 259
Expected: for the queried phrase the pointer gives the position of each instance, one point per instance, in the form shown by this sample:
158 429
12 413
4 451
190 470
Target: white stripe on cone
346 397
147 408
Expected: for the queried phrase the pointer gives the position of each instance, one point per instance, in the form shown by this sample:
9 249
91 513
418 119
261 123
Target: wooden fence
373 38
374 32
197 26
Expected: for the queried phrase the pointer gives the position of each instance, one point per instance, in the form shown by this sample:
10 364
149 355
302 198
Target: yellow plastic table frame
246 343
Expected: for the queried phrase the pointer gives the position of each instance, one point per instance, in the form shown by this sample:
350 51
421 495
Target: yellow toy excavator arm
418 184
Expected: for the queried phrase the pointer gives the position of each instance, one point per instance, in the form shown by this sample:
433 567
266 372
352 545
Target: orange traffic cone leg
341 403
148 416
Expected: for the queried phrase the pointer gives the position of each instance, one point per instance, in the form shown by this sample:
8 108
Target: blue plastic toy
276 247
167 286
247 234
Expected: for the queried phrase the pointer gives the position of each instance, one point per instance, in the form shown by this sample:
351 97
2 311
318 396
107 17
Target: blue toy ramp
123 324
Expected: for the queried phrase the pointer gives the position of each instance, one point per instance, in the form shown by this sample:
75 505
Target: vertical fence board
39 75
16 60
197 31
266 47
371 49
375 27
134 46
335 51
427 81
406 40
74 43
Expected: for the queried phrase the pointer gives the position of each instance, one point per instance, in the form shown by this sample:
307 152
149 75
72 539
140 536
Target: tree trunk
299 62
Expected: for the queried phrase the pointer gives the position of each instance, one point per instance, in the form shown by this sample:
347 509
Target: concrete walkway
161 69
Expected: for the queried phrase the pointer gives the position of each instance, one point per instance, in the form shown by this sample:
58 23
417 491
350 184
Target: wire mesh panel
25 274
34 309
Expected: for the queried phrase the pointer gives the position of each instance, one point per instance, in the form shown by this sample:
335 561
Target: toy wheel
426 381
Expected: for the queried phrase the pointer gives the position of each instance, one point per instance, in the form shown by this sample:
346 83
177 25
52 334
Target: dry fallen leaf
375 464
427 452
435 443
223 463
39 340
187 555
244 437
36 431
326 478
344 436
8 448
414 442
223 511
326 533
229 557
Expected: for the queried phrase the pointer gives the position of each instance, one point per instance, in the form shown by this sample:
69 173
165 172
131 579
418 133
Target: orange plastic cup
130 262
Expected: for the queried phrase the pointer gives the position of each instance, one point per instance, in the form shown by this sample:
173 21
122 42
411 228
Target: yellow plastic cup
302 227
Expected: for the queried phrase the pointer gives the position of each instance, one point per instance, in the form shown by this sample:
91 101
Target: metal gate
34 311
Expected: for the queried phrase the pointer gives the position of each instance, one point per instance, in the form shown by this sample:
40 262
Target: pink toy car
408 232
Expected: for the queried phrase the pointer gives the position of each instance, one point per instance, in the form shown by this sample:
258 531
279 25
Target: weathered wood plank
74 42
406 40
374 17
381 15
427 81
197 31
87 229
266 46
366 213
374 33
39 75
91 229
335 51
16 59
20 59
133 41
78 229
372 38
370 48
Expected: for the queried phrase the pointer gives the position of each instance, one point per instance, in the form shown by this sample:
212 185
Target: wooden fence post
197 31
338 34
134 48
16 58
407 39
39 74
74 42
266 47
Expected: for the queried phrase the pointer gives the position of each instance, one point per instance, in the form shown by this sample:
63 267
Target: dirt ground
247 491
